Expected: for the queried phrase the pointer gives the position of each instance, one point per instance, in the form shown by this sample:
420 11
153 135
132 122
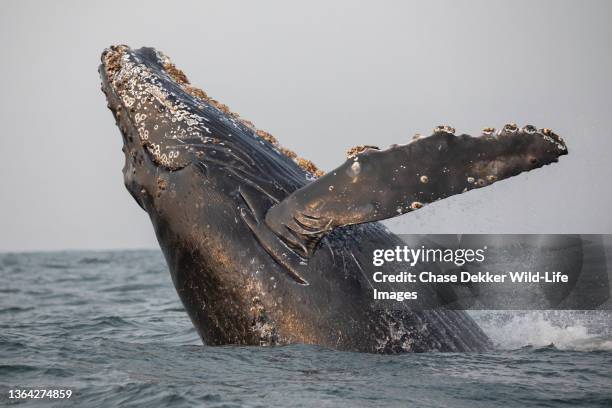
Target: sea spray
565 329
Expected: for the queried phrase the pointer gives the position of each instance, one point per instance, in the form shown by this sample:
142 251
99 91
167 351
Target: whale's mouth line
115 59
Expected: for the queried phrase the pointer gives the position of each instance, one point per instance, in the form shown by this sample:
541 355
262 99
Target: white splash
566 330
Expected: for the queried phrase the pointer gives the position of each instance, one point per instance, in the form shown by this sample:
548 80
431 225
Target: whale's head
167 123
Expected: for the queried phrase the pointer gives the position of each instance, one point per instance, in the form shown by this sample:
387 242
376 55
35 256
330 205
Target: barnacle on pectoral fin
444 128
488 131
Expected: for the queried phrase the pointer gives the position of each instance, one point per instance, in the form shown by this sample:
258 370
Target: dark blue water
109 326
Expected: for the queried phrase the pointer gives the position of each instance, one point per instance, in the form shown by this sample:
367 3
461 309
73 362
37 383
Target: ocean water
109 326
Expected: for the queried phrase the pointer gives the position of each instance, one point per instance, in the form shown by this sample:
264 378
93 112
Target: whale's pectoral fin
373 185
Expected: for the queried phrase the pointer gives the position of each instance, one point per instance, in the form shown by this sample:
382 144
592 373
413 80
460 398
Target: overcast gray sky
322 76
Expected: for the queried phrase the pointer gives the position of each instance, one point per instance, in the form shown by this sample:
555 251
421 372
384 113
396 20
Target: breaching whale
263 248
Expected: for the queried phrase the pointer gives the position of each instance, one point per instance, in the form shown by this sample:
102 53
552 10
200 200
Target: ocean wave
116 334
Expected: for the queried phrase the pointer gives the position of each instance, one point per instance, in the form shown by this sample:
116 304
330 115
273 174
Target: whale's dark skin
260 249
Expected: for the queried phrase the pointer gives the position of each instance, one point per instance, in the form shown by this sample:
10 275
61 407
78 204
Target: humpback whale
264 248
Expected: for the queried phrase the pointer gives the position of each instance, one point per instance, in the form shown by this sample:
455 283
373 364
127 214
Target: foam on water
566 330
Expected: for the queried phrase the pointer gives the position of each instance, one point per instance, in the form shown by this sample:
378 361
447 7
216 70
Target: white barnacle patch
128 100
143 133
176 125
139 117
